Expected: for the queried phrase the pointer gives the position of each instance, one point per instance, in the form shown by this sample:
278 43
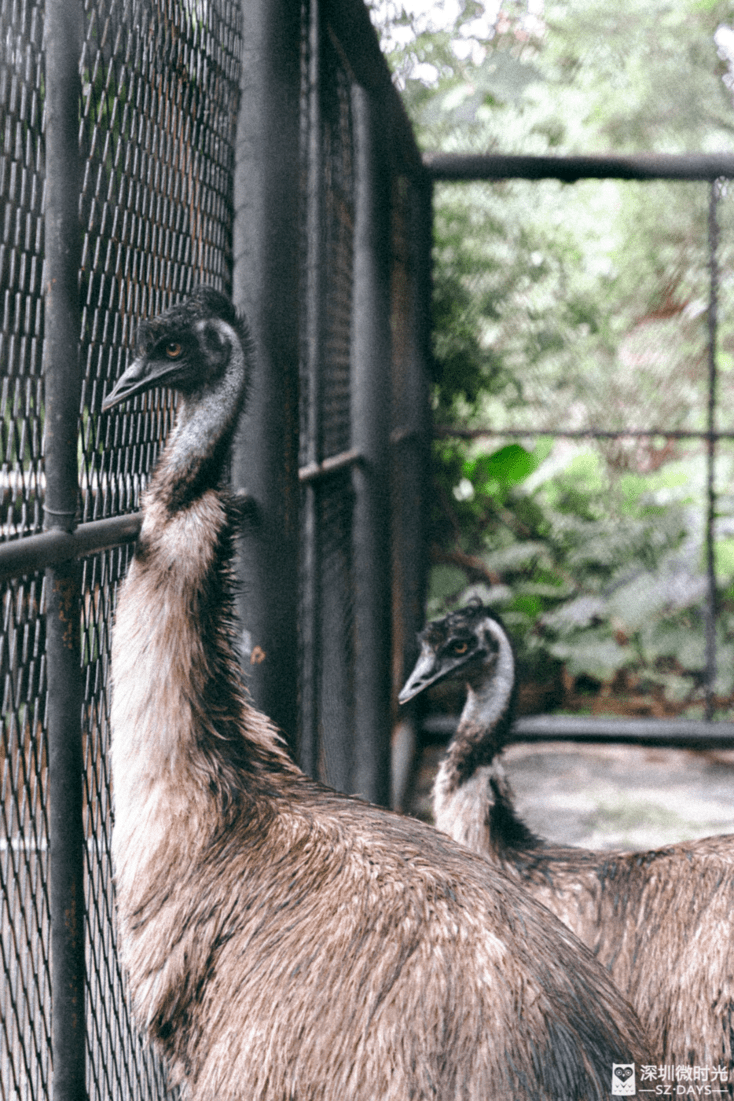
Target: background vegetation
564 307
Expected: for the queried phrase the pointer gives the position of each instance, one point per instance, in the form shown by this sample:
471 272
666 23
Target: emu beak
140 375
426 672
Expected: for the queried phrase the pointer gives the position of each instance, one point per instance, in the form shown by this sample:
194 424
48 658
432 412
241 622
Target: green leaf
724 557
508 466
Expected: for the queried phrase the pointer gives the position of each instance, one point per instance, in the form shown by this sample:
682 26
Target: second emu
284 942
660 921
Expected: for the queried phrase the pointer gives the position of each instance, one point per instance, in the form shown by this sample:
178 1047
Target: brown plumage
660 921
283 941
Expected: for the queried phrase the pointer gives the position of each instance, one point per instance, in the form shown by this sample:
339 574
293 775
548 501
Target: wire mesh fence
21 261
153 128
326 567
160 87
615 370
159 93
25 928
25 924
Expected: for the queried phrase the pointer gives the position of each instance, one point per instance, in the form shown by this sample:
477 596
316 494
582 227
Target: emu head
467 645
187 348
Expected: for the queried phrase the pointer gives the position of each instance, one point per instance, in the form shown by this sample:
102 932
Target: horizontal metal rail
331 465
678 733
637 166
38 552
447 431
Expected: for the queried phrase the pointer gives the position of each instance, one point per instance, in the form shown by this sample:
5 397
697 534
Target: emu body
659 921
284 942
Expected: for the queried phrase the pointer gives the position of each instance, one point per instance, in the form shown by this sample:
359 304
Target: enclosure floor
610 796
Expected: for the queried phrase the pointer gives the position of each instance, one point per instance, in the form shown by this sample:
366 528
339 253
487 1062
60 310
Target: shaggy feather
283 941
659 921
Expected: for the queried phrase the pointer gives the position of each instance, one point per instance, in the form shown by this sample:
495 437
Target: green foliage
602 574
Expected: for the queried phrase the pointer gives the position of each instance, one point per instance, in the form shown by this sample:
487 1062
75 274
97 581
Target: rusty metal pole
266 286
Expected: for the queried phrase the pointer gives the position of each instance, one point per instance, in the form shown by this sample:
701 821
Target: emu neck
463 793
198 448
486 718
487 708
185 741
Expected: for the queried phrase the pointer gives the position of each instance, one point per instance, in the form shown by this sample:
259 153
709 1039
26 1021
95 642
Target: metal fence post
422 258
710 522
313 305
371 374
411 463
266 282
63 34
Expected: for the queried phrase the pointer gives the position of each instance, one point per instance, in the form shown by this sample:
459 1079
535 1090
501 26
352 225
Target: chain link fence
154 93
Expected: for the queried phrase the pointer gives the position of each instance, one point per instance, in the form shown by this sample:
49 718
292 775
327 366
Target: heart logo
623 1073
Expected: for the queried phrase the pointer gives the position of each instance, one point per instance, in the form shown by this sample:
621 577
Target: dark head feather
203 303
439 630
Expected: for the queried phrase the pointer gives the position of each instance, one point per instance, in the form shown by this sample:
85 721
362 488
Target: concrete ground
610 796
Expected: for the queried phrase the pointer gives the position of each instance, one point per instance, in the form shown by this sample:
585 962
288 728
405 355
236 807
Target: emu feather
659 921
283 941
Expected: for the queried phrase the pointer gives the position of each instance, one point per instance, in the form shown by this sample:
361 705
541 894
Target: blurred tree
575 306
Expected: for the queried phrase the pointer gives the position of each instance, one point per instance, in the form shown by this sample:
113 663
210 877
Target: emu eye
173 350
460 647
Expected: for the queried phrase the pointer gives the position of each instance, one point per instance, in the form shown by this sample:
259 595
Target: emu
659 921
282 941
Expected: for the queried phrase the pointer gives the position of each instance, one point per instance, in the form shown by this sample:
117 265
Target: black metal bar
314 326
38 552
411 464
421 249
66 827
350 22
266 284
640 166
62 377
62 380
371 384
447 431
680 733
710 605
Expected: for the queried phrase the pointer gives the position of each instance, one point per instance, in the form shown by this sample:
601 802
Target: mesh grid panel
24 916
336 659
327 583
24 912
160 91
725 293
21 259
552 358
337 154
160 95
406 609
119 1066
562 363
